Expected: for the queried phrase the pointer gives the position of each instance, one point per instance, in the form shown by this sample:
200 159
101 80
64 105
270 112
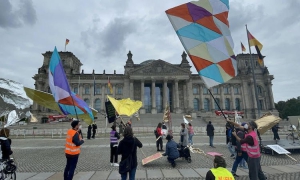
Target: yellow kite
47 100
125 106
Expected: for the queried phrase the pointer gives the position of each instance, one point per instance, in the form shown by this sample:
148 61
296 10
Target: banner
110 112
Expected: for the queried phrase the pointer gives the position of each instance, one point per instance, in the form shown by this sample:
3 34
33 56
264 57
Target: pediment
159 67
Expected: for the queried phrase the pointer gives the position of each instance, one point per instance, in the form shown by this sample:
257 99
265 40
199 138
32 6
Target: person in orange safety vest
219 171
72 149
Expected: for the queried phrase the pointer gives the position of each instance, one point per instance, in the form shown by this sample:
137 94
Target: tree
287 108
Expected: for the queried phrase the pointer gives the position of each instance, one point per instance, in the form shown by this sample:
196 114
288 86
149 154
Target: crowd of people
242 141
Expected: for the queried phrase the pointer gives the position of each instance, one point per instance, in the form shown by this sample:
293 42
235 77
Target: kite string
217 103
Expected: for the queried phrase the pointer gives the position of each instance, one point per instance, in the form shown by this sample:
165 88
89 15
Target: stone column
222 104
153 98
103 97
165 98
131 90
253 96
142 110
212 101
185 98
201 106
190 96
232 104
114 90
271 97
177 97
173 98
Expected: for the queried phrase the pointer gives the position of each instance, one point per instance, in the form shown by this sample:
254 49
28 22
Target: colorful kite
203 30
59 85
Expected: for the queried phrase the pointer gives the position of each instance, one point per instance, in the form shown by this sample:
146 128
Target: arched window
206 104
227 104
87 101
216 106
196 104
237 104
259 90
86 90
97 104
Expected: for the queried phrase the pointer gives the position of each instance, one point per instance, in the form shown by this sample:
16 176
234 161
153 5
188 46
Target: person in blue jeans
125 149
191 134
241 151
171 150
210 133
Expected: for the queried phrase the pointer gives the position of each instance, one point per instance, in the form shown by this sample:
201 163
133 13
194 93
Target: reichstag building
158 83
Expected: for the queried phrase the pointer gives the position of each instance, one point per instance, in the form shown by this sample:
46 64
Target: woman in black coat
128 145
5 143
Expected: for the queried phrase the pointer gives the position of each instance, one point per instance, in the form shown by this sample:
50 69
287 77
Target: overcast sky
101 32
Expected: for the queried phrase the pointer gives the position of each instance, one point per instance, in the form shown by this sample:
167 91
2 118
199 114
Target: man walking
94 127
210 132
72 150
252 148
275 132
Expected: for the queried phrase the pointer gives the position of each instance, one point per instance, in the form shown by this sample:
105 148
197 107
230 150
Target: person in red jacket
159 141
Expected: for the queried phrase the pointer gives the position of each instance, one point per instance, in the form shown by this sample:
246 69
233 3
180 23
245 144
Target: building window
246 63
195 90
236 90
226 90
75 90
196 104
256 63
216 105
87 101
205 91
259 90
206 104
119 90
237 104
227 104
261 104
97 90
97 105
216 90
86 90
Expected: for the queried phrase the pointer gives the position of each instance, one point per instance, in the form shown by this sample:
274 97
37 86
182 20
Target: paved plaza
43 158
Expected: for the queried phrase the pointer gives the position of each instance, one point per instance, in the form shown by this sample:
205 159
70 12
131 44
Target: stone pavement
39 159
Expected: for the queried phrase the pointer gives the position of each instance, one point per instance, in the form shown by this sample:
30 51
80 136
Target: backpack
155 132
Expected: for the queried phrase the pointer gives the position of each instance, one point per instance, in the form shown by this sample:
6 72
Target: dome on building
147 62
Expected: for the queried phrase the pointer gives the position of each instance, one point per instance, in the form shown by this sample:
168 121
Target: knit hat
74 123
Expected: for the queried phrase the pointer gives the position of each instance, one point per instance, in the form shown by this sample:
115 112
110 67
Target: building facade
158 83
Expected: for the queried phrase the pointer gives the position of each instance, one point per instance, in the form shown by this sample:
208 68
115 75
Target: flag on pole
243 47
109 86
253 41
258 46
67 41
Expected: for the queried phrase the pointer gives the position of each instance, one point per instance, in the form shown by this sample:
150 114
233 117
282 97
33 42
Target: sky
101 32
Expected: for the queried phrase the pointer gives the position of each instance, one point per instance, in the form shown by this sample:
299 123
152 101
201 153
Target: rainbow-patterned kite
59 85
203 30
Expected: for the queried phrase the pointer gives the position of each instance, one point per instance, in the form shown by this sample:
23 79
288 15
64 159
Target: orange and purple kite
203 30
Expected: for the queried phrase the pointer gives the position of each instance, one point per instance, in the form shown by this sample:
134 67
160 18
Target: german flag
253 41
109 86
67 41
243 47
260 57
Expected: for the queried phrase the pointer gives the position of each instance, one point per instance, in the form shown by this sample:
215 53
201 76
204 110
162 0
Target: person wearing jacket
89 132
171 150
125 149
159 141
72 150
241 151
251 142
114 136
5 143
183 136
210 133
219 170
191 133
94 128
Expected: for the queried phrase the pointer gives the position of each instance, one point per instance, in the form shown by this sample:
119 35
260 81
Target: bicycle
8 169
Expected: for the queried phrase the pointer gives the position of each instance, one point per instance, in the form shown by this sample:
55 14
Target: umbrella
125 106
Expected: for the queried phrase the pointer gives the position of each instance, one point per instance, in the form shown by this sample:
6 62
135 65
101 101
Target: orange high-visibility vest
71 148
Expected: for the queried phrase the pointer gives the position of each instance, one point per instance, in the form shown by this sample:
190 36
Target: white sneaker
116 164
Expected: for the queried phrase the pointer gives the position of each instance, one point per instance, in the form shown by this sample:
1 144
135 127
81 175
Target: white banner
278 149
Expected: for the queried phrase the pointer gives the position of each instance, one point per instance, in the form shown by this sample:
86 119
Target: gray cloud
24 15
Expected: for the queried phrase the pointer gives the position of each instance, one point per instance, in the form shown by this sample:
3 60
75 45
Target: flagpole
94 91
216 103
253 75
79 85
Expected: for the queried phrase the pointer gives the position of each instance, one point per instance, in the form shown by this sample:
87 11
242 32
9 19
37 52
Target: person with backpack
158 135
5 143
128 149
